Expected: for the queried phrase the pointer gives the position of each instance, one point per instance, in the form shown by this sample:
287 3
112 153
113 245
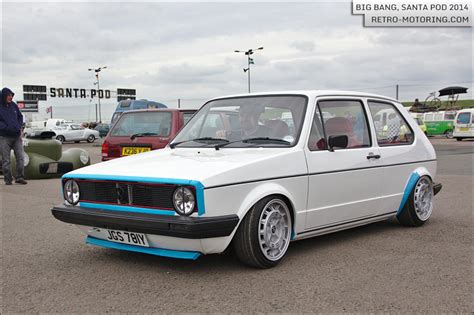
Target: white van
464 124
49 123
35 127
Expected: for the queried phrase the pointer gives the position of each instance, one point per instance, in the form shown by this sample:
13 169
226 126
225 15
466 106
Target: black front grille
127 193
144 195
98 191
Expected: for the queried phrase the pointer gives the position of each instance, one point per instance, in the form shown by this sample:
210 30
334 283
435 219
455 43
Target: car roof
312 93
465 110
159 110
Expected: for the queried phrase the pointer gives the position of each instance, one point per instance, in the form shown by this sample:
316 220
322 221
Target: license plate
52 168
126 237
134 150
464 129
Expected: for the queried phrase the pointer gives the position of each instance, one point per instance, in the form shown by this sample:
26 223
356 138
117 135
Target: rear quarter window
391 128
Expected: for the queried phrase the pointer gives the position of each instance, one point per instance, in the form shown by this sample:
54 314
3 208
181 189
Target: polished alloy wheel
274 229
423 198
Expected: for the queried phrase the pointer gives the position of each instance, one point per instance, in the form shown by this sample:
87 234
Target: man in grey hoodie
11 121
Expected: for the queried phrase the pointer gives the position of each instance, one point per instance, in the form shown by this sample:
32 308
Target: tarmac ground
47 268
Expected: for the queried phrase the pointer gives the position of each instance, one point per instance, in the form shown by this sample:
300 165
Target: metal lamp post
97 70
249 60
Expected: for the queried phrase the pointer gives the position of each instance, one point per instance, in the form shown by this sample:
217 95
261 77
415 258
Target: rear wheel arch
419 206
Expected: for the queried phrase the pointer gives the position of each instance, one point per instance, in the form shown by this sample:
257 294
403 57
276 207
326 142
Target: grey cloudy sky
168 51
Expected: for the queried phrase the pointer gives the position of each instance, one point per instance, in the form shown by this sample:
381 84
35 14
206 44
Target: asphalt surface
46 266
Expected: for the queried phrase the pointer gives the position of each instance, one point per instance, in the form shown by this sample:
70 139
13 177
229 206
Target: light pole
249 60
97 70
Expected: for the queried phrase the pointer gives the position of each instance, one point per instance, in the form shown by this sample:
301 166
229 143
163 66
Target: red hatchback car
140 131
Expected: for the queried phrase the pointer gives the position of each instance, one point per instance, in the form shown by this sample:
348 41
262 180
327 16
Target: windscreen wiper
142 134
254 140
204 139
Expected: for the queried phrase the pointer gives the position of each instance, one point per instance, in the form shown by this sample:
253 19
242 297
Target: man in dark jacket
11 121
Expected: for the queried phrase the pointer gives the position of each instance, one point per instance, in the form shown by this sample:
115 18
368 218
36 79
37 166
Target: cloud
183 50
304 46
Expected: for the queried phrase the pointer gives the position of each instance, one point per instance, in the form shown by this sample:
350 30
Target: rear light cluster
110 151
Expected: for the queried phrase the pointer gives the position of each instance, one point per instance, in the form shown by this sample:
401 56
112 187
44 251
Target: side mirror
338 142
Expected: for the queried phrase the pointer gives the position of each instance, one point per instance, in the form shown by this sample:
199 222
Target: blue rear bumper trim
146 250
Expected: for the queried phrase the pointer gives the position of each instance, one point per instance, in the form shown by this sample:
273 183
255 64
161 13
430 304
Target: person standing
11 121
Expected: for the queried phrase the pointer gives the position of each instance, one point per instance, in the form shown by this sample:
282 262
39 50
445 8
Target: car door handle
373 156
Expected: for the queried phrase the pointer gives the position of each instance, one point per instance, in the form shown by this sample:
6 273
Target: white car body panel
327 191
210 167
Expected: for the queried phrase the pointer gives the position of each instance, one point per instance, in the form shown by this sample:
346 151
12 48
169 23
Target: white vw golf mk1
256 172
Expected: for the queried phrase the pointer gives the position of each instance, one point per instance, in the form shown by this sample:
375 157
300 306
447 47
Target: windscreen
147 123
269 121
464 118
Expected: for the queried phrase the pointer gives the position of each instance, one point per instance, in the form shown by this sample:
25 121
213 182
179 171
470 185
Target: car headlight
71 192
84 157
26 159
184 201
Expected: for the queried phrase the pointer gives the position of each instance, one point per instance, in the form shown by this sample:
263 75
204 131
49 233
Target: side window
449 116
346 117
316 137
187 116
390 126
438 117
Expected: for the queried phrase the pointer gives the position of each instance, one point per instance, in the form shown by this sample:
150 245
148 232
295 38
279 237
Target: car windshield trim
173 145
255 140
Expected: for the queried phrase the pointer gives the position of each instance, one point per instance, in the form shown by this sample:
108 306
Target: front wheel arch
282 196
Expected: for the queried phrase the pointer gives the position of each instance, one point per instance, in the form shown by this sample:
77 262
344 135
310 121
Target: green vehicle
440 123
44 157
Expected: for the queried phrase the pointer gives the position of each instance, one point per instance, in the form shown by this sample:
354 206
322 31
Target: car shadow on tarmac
228 260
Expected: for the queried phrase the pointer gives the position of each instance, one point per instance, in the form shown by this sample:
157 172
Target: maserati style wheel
264 234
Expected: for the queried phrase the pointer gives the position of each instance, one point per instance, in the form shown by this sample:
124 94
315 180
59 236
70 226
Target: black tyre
263 236
419 206
448 134
458 139
91 139
61 138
